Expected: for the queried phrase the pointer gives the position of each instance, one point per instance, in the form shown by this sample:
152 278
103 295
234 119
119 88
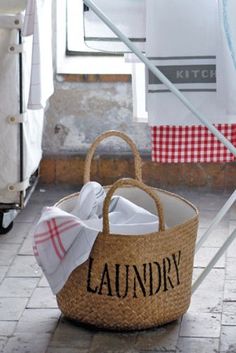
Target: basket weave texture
133 282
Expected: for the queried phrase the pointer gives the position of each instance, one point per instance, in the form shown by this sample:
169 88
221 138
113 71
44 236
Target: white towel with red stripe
61 243
62 240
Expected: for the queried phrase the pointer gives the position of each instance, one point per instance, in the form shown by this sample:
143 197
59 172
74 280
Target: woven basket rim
169 193
176 228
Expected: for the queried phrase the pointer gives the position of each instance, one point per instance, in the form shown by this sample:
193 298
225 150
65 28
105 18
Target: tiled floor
30 321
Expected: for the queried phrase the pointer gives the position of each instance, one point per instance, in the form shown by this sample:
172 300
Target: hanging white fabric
38 24
188 43
183 41
226 56
128 16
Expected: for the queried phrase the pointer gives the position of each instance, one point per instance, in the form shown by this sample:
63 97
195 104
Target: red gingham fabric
184 144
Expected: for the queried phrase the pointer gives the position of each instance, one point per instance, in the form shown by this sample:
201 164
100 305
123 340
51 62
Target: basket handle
140 185
91 151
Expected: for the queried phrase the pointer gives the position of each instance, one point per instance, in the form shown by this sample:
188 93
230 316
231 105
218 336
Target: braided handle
140 185
91 151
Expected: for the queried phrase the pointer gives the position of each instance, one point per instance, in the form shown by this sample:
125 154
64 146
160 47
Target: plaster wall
80 111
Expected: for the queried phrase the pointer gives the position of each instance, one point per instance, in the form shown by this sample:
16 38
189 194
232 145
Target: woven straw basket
138 281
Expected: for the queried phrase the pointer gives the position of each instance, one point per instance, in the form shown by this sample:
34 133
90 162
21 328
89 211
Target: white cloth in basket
62 240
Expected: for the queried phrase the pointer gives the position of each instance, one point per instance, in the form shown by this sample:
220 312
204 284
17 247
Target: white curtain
191 42
187 42
38 24
226 54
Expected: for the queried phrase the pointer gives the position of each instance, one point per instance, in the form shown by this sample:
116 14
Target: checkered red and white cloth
185 144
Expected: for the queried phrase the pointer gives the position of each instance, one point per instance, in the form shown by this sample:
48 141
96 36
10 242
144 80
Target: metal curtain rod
160 75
